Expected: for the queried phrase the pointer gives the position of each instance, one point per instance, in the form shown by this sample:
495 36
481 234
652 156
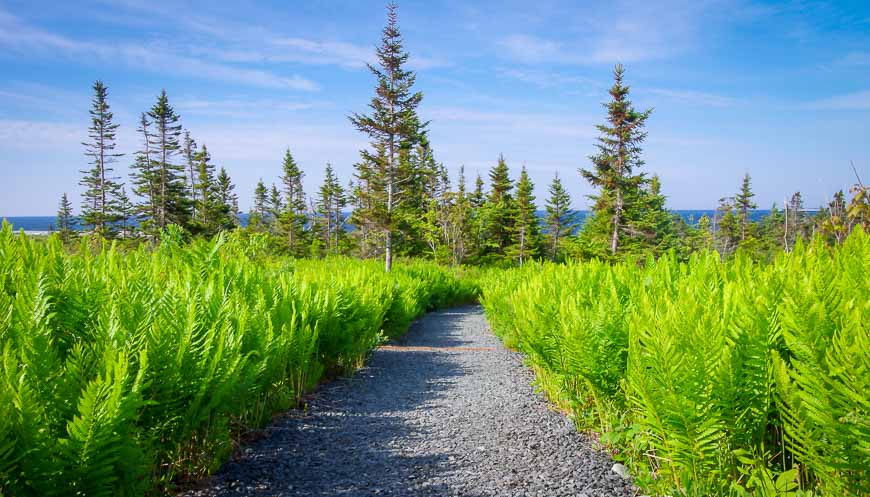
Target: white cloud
150 57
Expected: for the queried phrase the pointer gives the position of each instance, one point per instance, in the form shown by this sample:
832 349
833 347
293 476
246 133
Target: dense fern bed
123 372
708 377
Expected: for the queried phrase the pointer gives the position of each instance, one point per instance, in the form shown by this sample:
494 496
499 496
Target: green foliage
711 376
122 372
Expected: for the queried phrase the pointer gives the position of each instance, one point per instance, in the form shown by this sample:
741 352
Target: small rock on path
446 411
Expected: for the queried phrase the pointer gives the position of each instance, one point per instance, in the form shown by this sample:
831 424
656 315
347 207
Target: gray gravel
446 411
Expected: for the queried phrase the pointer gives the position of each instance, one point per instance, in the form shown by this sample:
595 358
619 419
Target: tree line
402 201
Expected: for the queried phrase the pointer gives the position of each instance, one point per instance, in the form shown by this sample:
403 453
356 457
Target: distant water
44 224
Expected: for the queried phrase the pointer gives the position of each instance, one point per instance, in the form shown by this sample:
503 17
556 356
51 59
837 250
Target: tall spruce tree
560 220
191 160
330 202
394 129
259 216
525 236
204 194
498 210
100 198
226 208
65 220
614 166
293 218
744 202
144 178
276 206
172 199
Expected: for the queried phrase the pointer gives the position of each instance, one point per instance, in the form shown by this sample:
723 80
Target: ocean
45 224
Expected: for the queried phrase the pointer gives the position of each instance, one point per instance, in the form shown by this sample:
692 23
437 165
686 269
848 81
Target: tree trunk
388 251
617 218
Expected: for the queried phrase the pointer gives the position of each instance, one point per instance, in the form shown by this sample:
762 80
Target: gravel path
447 411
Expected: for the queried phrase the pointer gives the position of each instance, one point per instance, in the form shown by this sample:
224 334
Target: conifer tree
478 197
459 222
653 227
276 206
204 193
172 200
191 159
226 208
745 204
259 217
144 177
126 212
293 217
560 220
498 211
99 202
794 221
726 227
65 221
525 224
619 155
330 202
394 129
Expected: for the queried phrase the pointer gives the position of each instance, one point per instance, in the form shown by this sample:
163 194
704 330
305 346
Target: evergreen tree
126 212
191 159
525 224
726 227
65 221
653 228
459 221
478 197
226 206
745 204
330 202
293 217
172 201
99 200
394 129
144 177
276 206
794 222
204 193
498 211
560 220
259 216
619 155
835 223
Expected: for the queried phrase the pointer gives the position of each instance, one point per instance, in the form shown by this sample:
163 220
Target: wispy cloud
856 59
550 79
16 35
691 97
859 100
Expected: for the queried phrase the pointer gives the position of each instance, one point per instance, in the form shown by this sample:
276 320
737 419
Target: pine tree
172 200
726 227
330 202
478 197
99 200
259 217
204 192
226 207
654 229
525 224
794 221
65 221
498 210
276 206
619 155
459 221
745 204
144 178
191 159
293 217
560 220
126 211
394 129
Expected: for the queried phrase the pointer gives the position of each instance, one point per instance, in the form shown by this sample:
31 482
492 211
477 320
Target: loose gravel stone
446 411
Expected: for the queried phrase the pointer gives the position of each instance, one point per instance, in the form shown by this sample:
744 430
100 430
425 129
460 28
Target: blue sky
777 89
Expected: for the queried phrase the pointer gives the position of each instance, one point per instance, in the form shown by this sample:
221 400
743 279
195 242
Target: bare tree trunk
617 218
